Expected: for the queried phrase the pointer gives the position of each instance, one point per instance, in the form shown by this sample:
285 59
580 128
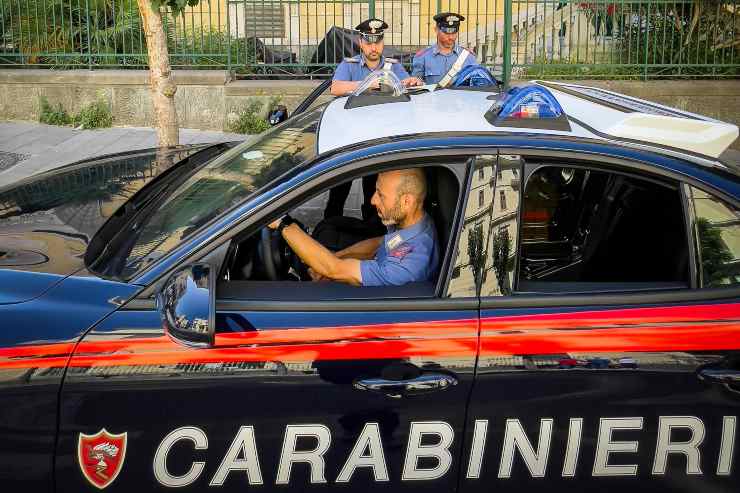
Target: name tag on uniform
394 241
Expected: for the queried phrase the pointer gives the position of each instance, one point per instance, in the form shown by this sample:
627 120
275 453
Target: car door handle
422 384
723 376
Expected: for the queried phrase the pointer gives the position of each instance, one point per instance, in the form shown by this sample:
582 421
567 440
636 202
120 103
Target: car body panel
666 348
268 371
37 339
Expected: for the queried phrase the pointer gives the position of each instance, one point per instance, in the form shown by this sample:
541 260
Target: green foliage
250 120
553 68
53 115
94 115
700 34
175 6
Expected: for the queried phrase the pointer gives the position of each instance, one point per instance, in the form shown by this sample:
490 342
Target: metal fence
300 38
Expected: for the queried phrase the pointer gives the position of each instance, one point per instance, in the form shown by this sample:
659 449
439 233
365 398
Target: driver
407 253
352 71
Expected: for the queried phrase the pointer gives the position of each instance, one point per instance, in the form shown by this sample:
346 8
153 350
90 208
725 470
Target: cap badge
451 19
375 24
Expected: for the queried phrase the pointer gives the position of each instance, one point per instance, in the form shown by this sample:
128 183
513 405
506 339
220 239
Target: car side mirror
278 115
187 305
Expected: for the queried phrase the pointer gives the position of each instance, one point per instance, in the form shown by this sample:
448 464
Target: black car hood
47 221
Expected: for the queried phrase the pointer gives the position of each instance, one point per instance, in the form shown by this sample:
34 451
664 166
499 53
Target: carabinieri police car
582 333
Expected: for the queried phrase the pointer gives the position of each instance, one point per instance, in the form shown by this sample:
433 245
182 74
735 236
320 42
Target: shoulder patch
351 60
401 251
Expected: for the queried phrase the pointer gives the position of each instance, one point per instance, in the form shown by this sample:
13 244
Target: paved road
29 148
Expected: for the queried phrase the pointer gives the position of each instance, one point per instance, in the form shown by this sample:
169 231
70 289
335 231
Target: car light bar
530 101
528 106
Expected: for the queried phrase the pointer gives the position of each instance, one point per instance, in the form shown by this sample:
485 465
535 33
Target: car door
359 392
610 329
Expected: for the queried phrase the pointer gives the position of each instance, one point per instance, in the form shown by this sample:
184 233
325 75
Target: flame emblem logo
101 456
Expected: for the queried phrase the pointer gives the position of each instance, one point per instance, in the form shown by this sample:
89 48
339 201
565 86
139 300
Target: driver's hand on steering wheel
275 223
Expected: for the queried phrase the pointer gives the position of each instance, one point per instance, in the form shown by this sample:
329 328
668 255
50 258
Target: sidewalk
29 148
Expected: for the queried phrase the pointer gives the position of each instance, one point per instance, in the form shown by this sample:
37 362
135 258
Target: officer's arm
362 250
318 258
417 66
342 87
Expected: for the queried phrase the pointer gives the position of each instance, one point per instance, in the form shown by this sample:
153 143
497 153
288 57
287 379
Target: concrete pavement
29 148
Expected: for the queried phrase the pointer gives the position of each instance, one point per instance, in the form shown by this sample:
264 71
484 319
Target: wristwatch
284 223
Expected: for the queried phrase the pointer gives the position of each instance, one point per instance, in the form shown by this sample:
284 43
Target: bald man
407 253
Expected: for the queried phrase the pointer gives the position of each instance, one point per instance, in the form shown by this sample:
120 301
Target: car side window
583 230
717 234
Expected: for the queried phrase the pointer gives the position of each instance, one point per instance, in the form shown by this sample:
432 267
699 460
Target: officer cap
448 22
372 30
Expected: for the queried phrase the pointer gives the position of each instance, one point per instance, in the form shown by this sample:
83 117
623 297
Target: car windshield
207 192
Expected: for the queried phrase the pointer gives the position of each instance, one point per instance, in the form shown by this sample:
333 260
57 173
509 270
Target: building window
502 196
481 175
481 198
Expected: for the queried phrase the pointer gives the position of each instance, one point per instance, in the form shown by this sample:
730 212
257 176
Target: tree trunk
160 75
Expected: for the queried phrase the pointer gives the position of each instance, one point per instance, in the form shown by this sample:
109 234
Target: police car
582 333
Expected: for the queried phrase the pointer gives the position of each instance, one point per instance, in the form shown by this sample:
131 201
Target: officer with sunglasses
353 70
439 63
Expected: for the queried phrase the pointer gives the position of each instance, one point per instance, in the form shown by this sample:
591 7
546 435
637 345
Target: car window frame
152 281
349 170
612 164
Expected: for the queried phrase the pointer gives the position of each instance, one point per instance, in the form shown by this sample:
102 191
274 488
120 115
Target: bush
53 115
94 115
250 120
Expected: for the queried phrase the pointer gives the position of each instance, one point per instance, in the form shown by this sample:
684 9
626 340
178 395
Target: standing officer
445 57
347 77
353 70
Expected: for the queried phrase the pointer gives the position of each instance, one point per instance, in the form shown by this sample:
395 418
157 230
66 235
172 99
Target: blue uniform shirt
430 65
357 70
406 255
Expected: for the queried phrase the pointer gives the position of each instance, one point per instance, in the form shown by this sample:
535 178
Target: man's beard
393 216
373 56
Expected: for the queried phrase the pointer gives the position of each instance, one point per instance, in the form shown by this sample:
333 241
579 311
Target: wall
207 99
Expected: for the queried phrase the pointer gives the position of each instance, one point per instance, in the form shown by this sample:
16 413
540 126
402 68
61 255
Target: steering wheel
277 256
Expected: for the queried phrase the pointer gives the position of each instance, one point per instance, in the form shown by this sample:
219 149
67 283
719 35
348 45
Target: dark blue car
155 335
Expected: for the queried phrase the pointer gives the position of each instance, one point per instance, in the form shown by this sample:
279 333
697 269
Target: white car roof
593 113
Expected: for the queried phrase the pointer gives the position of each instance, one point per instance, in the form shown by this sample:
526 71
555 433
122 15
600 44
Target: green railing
625 39
300 38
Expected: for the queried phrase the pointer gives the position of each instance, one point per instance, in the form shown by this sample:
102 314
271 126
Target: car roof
591 113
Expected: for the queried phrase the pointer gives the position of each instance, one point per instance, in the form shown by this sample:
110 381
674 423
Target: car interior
261 266
614 231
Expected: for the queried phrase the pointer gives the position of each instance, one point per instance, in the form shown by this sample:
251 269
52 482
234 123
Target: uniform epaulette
351 60
392 60
421 51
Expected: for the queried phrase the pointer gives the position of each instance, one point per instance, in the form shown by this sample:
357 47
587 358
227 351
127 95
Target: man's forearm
319 258
343 87
362 250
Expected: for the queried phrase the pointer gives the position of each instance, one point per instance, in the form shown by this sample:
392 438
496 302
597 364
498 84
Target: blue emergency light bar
528 106
530 101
